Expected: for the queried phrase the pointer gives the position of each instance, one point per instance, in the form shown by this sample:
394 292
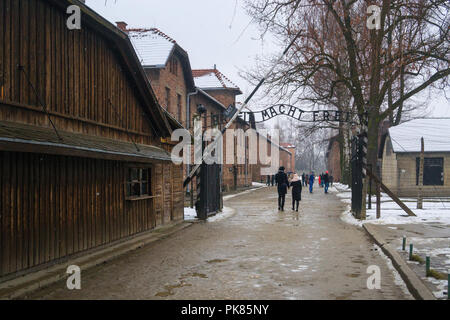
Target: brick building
216 85
167 66
333 154
333 160
180 90
287 156
401 154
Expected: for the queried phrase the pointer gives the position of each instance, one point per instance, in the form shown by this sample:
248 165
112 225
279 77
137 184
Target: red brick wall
161 79
225 97
334 163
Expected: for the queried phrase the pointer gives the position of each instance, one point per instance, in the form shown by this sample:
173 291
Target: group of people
296 182
283 184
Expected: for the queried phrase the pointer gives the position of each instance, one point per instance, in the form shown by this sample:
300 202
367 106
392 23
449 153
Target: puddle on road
199 275
216 261
170 289
353 275
359 259
194 275
345 296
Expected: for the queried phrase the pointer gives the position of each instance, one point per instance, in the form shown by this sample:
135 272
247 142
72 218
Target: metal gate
209 197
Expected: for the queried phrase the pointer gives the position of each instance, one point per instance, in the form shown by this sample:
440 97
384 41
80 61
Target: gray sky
211 31
217 32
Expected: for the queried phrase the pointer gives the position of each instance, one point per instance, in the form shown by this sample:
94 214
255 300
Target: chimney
122 26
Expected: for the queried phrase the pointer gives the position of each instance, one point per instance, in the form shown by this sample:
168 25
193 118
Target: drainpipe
188 124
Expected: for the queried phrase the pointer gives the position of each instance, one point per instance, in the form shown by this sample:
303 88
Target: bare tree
371 66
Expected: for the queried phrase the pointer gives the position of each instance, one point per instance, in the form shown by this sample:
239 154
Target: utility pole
420 182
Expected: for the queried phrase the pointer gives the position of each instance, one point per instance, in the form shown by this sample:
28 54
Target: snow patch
258 184
190 214
391 213
226 213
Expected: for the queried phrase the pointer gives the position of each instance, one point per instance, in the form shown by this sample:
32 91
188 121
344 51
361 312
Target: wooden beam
391 194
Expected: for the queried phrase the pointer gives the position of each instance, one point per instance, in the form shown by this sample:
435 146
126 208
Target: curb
21 286
417 288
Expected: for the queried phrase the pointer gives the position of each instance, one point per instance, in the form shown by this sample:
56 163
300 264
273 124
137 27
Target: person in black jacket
296 185
326 181
282 186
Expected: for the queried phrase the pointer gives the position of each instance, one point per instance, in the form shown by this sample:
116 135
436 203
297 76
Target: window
167 98
173 66
433 171
139 182
179 107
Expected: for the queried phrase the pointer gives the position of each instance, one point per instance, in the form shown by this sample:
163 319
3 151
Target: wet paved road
256 253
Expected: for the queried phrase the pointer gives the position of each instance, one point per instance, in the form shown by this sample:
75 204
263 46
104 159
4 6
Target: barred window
138 182
433 171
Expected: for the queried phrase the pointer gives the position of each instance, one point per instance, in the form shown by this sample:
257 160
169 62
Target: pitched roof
154 49
152 45
45 140
212 79
435 132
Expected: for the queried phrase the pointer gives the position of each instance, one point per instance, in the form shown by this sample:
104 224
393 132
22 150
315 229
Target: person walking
306 180
282 186
273 180
311 182
268 181
326 181
320 180
303 179
296 185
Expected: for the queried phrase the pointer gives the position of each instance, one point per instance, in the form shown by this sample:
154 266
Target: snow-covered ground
434 210
190 214
258 184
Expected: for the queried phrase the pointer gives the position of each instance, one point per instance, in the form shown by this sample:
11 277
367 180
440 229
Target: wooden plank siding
69 210
54 206
75 73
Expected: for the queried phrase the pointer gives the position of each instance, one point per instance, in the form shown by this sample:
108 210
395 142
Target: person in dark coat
303 179
282 186
306 180
326 181
268 181
311 182
296 185
273 180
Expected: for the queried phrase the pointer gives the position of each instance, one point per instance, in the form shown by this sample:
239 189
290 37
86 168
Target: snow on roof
212 79
435 132
287 145
153 47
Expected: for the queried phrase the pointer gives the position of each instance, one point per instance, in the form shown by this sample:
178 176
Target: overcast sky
211 31
215 32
